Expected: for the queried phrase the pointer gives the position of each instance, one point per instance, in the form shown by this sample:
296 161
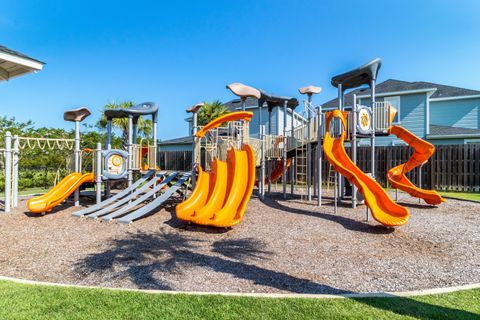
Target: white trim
427 114
380 294
35 65
475 96
397 93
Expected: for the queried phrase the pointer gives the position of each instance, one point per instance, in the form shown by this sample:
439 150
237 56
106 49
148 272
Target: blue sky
179 53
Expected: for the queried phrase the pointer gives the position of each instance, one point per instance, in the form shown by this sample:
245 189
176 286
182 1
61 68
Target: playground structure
13 147
227 160
220 196
150 191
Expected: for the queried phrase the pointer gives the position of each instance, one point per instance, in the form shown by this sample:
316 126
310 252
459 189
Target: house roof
14 64
181 140
393 85
18 54
438 130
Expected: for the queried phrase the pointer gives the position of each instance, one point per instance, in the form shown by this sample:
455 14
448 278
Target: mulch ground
281 246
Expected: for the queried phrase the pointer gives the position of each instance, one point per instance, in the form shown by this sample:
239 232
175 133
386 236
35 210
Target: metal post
420 179
130 150
372 140
8 171
284 178
155 144
108 143
292 171
335 195
354 147
319 155
340 107
16 150
194 150
293 163
98 173
261 182
77 160
270 121
309 151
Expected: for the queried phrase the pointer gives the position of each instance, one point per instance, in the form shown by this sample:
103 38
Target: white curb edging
261 295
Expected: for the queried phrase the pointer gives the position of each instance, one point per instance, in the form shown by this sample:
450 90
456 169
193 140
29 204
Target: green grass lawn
473 196
22 301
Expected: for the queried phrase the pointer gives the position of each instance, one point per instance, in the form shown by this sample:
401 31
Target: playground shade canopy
359 76
141 109
276 101
14 64
76 114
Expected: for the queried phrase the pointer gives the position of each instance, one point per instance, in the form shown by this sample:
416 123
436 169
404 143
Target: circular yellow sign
116 160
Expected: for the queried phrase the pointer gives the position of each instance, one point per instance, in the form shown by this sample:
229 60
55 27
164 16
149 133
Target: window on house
394 101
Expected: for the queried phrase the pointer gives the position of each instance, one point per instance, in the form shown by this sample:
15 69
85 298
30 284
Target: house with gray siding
440 114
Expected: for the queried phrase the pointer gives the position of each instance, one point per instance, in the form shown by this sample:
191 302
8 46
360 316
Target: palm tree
210 111
144 125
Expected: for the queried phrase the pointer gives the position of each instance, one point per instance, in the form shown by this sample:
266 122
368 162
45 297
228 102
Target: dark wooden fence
451 168
175 160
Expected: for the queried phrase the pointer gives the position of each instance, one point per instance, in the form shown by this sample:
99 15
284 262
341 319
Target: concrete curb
260 295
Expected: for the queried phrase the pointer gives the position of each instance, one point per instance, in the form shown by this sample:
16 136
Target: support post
108 143
8 171
354 147
309 151
98 173
16 150
294 160
130 150
261 182
319 155
77 160
372 140
340 107
194 150
284 178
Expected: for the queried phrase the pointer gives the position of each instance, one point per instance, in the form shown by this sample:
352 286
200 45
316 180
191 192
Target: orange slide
60 192
423 151
220 197
383 208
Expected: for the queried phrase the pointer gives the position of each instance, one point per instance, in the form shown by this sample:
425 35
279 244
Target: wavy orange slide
60 192
224 204
383 208
423 151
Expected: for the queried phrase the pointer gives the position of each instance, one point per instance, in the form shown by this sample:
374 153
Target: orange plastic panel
203 214
197 199
233 116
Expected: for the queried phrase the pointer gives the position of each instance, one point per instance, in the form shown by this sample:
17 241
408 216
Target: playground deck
282 246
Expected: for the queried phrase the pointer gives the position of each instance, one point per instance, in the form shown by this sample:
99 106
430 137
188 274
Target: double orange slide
383 208
47 201
423 151
221 196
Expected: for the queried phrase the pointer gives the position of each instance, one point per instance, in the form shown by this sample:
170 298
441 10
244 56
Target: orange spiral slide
383 208
423 151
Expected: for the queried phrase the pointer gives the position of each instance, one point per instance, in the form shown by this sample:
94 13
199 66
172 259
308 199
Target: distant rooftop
438 130
393 85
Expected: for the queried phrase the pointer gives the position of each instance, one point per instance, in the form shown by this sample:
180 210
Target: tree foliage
211 111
